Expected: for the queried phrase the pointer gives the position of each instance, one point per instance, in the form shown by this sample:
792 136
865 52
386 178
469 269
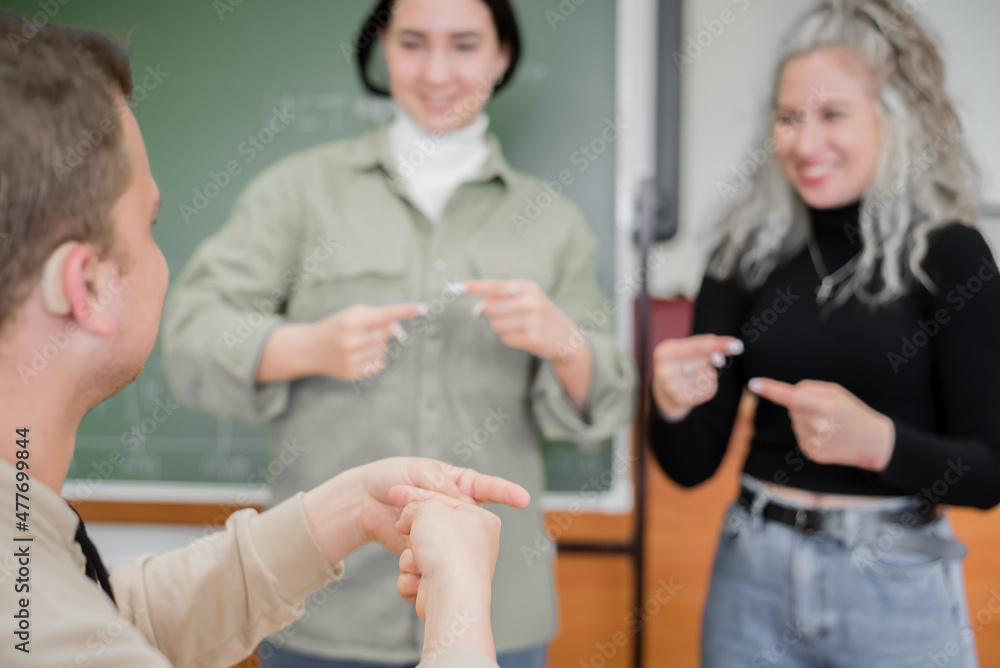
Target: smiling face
827 128
444 59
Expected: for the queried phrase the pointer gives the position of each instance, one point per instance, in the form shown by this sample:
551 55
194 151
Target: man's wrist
333 512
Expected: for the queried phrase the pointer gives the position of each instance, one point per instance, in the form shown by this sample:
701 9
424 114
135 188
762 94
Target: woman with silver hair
850 291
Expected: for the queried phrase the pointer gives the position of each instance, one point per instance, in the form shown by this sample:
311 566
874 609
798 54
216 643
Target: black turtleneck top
930 361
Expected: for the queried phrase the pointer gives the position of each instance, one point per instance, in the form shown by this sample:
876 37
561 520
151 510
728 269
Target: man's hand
355 507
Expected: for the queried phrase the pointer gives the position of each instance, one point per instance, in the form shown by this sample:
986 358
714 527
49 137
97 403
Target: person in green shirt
396 294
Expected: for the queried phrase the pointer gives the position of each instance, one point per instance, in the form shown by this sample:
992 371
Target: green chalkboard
209 74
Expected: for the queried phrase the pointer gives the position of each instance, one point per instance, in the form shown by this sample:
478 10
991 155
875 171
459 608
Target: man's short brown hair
63 161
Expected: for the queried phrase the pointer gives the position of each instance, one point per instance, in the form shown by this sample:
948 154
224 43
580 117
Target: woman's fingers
408 585
493 288
701 346
367 362
699 388
407 564
686 370
775 391
502 306
382 316
409 498
683 375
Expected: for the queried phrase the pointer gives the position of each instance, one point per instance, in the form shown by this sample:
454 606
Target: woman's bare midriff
818 500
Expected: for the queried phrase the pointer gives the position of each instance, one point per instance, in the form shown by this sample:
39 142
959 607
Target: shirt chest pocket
515 262
359 271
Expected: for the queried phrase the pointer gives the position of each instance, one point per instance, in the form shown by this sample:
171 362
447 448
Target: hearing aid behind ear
53 293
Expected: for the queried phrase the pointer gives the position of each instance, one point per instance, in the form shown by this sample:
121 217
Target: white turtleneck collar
432 167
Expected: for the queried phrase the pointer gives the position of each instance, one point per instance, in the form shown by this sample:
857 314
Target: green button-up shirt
326 229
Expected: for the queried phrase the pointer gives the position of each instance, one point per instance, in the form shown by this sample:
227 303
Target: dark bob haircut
503 18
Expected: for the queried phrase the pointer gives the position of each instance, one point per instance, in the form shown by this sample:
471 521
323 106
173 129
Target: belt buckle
801 517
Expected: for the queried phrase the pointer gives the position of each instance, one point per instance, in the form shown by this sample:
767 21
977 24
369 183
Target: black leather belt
830 520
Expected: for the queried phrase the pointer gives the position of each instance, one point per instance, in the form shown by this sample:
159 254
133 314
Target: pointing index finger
491 288
491 489
706 344
774 391
395 312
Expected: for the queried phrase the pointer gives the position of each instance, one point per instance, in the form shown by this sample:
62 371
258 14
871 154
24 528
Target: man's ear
70 283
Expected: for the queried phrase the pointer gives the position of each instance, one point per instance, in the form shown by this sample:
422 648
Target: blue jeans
779 597
533 657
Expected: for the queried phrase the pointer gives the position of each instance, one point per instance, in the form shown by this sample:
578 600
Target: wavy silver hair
925 176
